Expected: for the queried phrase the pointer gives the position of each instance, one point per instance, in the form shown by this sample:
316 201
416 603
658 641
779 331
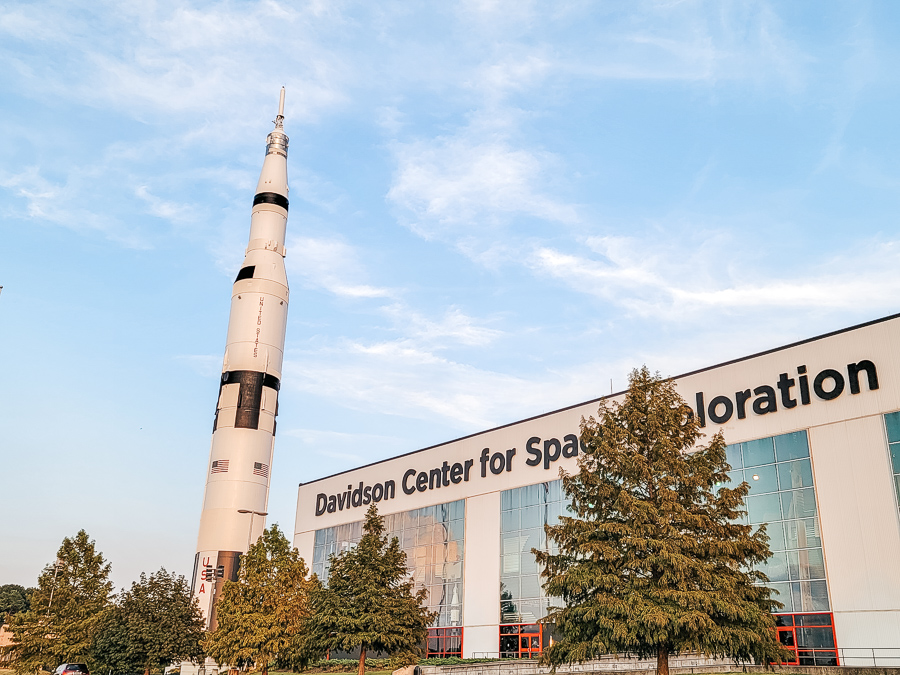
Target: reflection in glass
802 533
733 456
522 599
892 426
775 532
791 446
783 595
799 503
796 568
761 451
796 474
432 538
764 508
762 479
776 567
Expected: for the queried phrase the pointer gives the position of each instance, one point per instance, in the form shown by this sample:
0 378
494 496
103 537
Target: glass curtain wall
892 425
524 512
433 540
783 496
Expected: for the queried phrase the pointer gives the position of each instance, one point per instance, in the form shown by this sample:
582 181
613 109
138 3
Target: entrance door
530 646
788 639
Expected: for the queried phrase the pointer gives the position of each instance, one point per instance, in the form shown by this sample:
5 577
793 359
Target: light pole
56 567
250 531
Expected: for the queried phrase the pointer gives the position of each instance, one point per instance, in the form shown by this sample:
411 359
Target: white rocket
240 459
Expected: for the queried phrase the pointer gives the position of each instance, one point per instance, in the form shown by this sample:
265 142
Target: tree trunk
662 660
362 661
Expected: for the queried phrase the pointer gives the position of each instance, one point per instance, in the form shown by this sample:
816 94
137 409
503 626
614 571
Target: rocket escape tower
240 457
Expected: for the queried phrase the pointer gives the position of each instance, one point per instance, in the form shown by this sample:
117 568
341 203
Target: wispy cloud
660 278
60 203
330 264
454 327
465 190
179 59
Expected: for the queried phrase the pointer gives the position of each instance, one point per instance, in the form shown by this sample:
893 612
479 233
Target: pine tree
262 616
150 626
65 611
370 602
653 562
13 599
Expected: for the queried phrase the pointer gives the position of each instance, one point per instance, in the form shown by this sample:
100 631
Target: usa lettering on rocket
240 458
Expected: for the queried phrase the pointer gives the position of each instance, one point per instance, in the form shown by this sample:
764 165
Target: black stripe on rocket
249 396
271 198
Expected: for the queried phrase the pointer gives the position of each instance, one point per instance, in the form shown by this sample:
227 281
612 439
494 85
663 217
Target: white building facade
813 427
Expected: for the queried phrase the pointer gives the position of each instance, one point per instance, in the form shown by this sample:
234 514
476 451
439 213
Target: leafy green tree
262 616
369 602
65 610
14 599
654 562
150 626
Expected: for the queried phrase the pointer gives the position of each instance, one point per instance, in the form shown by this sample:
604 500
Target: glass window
818 596
892 423
782 495
816 638
432 537
802 533
509 499
776 567
764 508
814 620
776 536
555 491
521 530
457 510
733 456
812 563
762 479
895 457
782 593
792 446
796 474
532 516
798 503
784 620
758 452
531 586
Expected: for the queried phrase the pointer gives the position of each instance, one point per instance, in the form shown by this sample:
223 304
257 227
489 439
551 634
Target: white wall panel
857 514
304 544
481 594
868 638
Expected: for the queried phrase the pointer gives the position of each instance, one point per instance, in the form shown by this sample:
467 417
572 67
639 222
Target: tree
150 626
369 602
65 610
653 561
14 599
262 616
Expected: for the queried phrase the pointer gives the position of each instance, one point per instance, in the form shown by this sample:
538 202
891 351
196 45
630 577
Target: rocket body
240 459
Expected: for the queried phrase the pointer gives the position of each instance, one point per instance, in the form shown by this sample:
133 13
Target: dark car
72 669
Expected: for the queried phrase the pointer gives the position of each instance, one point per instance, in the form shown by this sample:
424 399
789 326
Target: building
813 427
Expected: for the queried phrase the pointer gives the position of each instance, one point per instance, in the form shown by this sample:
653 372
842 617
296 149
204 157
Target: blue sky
496 208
